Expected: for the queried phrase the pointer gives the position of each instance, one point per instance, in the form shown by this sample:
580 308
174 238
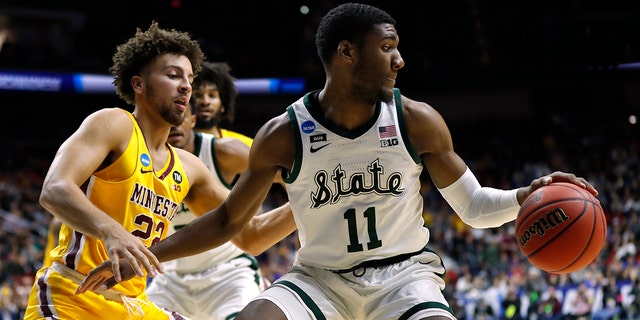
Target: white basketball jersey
206 152
357 192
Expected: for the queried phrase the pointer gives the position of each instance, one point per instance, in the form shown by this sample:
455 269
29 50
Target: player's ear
345 49
136 83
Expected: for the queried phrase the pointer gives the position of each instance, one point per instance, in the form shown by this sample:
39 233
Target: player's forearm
480 207
67 203
204 233
265 230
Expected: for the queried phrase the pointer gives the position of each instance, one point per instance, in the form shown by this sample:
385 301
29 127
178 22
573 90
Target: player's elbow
481 223
50 195
250 240
479 219
249 246
45 199
253 250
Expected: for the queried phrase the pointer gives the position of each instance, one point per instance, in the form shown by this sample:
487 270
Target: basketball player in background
116 184
52 240
351 155
215 284
216 95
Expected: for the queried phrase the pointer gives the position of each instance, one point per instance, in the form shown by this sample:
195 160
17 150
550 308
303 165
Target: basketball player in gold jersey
116 185
216 94
52 240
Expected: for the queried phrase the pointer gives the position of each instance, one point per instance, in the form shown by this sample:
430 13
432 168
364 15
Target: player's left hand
557 176
102 277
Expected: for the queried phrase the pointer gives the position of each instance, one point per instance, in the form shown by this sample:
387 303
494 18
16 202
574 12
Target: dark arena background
527 87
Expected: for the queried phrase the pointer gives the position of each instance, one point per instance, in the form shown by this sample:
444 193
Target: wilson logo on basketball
540 227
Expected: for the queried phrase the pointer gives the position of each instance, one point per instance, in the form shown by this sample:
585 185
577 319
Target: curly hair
348 21
139 51
219 73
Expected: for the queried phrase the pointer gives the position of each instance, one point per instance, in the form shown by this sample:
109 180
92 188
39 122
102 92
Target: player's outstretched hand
102 277
120 244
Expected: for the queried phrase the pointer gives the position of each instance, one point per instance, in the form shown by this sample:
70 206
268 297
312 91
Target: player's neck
218 132
191 143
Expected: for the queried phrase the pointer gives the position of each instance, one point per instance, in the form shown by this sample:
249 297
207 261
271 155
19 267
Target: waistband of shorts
133 305
77 277
380 262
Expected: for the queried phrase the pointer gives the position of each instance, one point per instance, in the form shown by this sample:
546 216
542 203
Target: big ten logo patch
388 142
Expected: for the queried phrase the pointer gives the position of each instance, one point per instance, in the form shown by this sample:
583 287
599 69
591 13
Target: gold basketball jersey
224 133
142 200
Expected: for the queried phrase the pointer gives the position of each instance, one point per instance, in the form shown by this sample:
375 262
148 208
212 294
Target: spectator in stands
581 303
483 311
551 306
511 305
611 301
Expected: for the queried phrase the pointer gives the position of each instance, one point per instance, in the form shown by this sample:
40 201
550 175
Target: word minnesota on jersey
158 205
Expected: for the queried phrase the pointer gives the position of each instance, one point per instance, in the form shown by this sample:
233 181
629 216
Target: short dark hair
139 51
219 73
349 21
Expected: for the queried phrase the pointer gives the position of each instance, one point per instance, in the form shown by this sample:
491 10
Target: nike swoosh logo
143 171
314 150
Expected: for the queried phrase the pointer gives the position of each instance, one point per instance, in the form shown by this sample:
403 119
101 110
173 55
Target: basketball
560 228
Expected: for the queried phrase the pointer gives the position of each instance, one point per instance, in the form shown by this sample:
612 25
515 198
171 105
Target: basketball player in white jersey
218 283
351 155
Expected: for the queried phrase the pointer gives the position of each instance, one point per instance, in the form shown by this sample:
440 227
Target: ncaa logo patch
145 160
308 126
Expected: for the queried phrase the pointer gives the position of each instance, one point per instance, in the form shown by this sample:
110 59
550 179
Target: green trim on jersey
311 103
297 161
217 166
401 124
424 306
313 106
198 142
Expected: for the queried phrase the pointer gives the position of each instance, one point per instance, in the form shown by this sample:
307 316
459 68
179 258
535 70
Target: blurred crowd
488 278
